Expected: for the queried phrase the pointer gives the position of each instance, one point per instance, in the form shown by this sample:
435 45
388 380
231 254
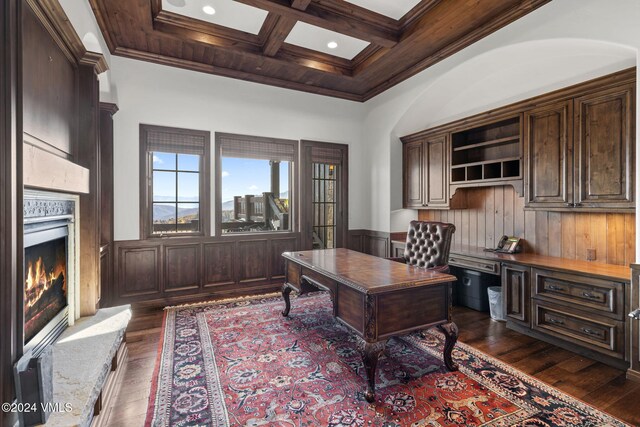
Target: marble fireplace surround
86 355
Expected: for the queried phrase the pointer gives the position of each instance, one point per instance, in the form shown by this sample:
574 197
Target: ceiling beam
330 20
281 29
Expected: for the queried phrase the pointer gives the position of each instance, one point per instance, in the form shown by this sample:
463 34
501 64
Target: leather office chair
428 245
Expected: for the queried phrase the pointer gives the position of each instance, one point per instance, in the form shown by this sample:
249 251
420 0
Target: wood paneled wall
495 211
173 271
11 273
370 242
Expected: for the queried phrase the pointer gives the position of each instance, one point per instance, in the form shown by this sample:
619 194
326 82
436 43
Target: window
174 181
254 183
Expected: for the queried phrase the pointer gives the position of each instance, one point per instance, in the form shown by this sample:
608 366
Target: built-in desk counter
578 305
461 253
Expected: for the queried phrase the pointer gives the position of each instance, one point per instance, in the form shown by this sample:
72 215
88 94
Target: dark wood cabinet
426 171
579 152
567 150
580 310
487 154
437 188
604 148
549 171
633 321
516 293
413 176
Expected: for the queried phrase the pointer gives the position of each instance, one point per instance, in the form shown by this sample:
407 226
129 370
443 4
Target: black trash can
471 288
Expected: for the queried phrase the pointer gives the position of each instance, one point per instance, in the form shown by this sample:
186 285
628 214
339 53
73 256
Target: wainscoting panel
278 246
182 267
252 255
495 211
370 242
172 271
138 272
218 264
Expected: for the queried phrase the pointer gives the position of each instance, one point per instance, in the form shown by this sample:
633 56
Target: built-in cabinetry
490 153
578 305
516 297
579 151
574 310
426 172
566 150
634 323
547 135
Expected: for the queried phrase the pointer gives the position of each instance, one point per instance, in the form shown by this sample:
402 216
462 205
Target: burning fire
38 280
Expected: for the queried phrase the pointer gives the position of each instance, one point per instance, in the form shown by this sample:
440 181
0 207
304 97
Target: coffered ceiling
352 49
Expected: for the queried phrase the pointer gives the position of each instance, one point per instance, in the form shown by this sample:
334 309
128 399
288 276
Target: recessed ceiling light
332 45
209 10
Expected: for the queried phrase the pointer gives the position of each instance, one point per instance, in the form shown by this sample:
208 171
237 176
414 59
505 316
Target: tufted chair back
428 244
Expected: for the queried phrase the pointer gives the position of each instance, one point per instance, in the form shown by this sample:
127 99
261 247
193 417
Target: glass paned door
324 201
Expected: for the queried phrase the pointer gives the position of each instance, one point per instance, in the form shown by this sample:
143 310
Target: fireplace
48 297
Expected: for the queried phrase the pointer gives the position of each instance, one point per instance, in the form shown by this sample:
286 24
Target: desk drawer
477 264
595 333
318 279
595 295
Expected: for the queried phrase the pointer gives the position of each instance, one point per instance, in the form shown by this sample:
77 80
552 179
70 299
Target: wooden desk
374 297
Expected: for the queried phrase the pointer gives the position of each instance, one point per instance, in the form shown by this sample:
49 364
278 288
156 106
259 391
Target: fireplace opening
49 289
45 288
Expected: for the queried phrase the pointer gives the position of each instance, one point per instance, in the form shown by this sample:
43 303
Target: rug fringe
223 301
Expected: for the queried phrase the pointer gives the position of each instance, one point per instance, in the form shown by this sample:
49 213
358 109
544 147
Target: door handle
635 314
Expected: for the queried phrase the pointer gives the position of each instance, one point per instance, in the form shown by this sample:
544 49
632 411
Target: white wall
562 43
161 95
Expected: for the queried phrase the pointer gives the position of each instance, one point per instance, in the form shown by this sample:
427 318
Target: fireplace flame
38 280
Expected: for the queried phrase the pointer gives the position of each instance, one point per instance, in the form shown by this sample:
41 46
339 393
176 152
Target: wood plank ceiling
398 49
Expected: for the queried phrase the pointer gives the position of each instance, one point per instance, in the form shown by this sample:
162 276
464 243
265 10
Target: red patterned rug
241 363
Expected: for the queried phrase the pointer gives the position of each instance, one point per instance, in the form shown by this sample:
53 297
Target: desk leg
370 354
450 331
286 290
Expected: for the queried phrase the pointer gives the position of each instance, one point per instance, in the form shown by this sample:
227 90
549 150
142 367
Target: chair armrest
397 259
440 269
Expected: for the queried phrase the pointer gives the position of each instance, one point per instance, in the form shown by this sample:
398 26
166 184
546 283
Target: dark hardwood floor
593 382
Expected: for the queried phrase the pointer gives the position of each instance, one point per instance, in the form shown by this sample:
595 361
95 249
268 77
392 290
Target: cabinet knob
635 314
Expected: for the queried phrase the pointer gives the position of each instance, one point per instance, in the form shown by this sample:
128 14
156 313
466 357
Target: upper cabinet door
437 187
547 144
604 148
413 175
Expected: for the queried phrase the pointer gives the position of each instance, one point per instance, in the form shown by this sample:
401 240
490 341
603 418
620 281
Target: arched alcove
512 73
497 78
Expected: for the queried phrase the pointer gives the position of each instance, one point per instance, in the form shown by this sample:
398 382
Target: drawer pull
555 321
589 331
635 314
556 288
488 267
589 295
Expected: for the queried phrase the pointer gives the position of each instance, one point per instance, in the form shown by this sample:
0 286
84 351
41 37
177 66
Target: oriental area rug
240 363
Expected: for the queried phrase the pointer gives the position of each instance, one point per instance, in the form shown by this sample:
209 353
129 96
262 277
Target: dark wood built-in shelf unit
487 153
568 150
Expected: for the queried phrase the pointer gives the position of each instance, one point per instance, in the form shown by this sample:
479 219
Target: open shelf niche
487 153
